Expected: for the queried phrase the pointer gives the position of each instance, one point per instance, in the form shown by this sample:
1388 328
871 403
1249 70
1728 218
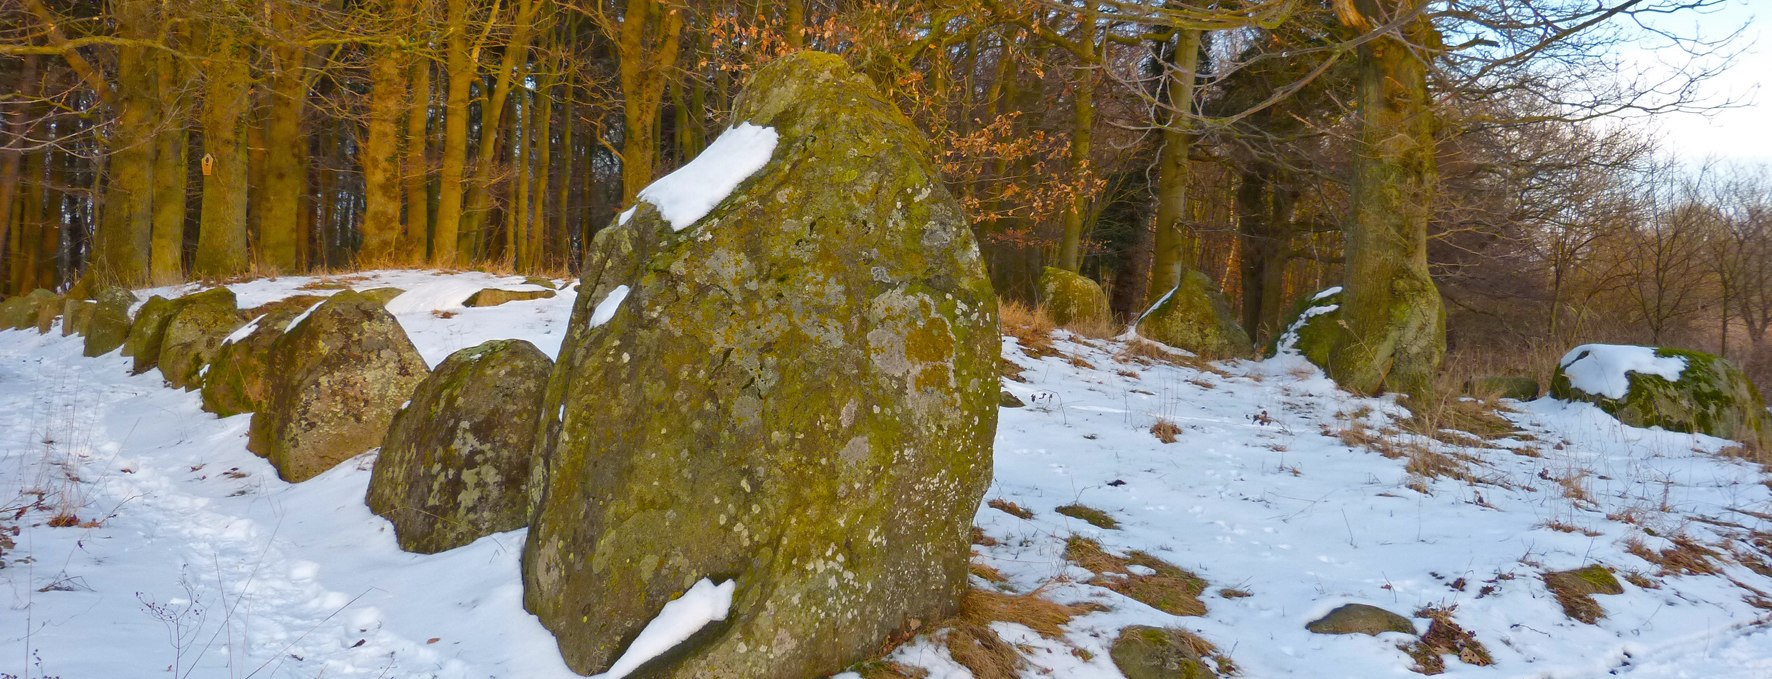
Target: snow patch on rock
1603 369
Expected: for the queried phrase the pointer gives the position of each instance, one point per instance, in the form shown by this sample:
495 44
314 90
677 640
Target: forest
158 141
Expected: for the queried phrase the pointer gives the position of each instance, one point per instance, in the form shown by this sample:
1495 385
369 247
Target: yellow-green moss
1195 316
1711 396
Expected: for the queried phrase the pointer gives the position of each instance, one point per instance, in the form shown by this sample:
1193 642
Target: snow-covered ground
189 557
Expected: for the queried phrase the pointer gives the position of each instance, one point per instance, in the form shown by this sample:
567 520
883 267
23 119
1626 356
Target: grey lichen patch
455 465
341 374
797 393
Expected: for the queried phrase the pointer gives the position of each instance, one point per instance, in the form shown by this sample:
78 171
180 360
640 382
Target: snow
245 331
293 322
1326 293
275 580
606 308
704 603
1602 369
685 196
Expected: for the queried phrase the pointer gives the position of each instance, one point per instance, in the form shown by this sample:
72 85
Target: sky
1742 134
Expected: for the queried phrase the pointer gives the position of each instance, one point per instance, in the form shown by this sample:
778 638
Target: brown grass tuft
1446 637
1165 430
1169 588
1010 508
1090 515
1686 557
971 641
1030 327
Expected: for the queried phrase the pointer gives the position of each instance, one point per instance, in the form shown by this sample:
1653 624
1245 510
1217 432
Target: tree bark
221 235
1174 250
281 228
1070 247
1395 324
460 69
511 69
381 153
171 178
646 61
418 203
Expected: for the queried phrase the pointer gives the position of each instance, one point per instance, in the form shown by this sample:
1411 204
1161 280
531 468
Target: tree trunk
1070 247
559 238
1174 249
542 132
511 70
171 178
646 61
418 213
460 69
1395 324
282 230
381 154
14 126
221 235
122 245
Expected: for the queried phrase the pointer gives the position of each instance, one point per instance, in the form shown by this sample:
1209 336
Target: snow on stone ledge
606 309
1600 369
685 196
704 603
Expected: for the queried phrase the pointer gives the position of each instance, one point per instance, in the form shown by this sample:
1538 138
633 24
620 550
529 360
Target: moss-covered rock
340 375
20 311
548 283
1071 299
1575 591
455 465
497 296
109 324
193 332
382 295
76 314
1195 316
1710 396
148 332
1361 619
47 312
796 392
1142 652
1311 328
238 375
1517 387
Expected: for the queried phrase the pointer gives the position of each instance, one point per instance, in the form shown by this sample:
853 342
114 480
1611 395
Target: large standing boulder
793 394
455 465
1071 299
1195 316
76 313
109 324
148 332
1674 389
239 370
193 332
20 312
340 374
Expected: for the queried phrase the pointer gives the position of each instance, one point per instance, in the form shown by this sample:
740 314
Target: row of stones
454 464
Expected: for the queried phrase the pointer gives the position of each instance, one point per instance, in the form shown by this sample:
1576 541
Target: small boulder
794 392
1009 400
20 311
109 324
1311 328
382 295
548 283
1195 316
497 296
240 367
1575 590
1361 619
148 332
339 376
76 314
1142 652
1675 389
47 313
192 334
455 465
1516 387
1070 298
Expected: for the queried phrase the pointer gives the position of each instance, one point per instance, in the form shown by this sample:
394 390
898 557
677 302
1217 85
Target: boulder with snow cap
455 466
1195 316
239 370
780 376
192 334
1311 328
340 373
1675 389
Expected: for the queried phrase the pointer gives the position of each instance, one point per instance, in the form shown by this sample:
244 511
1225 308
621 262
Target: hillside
149 542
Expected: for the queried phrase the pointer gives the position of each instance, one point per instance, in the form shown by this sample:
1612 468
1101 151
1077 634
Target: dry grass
1146 352
972 643
1393 444
886 669
1456 420
1167 587
1090 515
1010 508
1165 431
1575 590
1446 637
1100 328
1686 557
1030 326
